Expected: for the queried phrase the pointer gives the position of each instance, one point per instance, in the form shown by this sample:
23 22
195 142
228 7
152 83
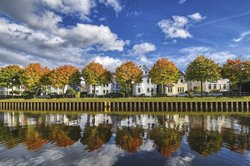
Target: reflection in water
129 138
204 142
171 136
167 140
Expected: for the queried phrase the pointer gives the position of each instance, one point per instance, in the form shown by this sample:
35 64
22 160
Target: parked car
215 94
182 95
114 95
199 94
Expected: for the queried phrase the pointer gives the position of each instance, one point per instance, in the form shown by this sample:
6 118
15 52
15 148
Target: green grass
134 99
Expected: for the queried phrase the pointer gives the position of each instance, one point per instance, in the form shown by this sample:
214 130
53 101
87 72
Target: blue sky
112 31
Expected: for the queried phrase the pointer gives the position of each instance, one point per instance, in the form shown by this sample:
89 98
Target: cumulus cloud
196 17
35 34
188 54
143 48
178 26
108 62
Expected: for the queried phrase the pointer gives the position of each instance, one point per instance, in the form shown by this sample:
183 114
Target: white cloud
85 35
143 48
190 53
179 25
241 37
115 4
108 62
196 17
182 1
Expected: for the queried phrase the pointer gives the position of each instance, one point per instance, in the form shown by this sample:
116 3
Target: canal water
140 140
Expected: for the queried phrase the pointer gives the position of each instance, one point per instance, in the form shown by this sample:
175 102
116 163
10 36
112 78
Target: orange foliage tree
63 75
164 72
94 74
126 74
32 74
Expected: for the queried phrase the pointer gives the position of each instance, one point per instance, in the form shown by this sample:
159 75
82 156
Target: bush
70 92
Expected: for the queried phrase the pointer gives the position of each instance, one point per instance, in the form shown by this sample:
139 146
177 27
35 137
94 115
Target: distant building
221 85
7 91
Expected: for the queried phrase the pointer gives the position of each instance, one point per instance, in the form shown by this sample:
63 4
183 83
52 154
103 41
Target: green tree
127 74
202 69
94 74
237 71
10 76
164 72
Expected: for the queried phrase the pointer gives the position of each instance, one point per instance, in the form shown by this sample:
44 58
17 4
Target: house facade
104 89
146 87
222 85
7 91
176 88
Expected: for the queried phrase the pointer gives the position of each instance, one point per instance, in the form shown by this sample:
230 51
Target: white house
7 91
221 85
175 88
146 87
104 89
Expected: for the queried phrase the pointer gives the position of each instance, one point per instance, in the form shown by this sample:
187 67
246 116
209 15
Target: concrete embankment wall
107 106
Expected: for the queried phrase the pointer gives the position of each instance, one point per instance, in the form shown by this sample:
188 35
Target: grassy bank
134 99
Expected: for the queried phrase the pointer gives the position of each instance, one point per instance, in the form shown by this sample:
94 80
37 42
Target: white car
182 95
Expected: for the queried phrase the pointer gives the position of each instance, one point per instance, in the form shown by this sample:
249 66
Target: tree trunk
12 90
201 88
94 89
131 90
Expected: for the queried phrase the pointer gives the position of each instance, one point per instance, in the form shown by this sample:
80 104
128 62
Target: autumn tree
126 74
164 72
32 74
10 76
202 69
64 75
95 74
237 71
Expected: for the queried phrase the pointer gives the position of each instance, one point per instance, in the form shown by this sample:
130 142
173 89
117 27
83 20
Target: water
100 140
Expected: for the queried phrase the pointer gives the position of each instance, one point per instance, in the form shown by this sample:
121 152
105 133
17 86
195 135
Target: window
224 86
139 90
215 86
209 86
104 91
148 90
146 72
180 89
148 80
170 90
182 79
96 91
107 91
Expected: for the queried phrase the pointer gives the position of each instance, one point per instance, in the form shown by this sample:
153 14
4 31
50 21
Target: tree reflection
167 140
11 136
235 142
33 139
204 142
95 136
64 136
129 138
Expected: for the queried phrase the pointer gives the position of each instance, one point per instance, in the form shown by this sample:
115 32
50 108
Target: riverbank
135 99
131 104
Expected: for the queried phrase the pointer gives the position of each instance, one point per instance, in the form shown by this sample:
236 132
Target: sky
110 32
